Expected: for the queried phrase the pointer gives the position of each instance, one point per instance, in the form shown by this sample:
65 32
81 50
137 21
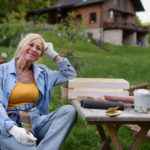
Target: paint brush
26 122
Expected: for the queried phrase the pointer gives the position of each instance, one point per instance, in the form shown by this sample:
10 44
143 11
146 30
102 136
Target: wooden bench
95 87
99 118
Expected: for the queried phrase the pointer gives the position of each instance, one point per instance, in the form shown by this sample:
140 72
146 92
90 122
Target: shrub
11 29
70 27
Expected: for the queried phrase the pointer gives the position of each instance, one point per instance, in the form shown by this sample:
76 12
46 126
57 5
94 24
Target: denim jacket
45 79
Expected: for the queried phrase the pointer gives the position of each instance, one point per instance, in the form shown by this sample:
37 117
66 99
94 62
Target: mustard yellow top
22 94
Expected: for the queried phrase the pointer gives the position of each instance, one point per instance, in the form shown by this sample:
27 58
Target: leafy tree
23 6
71 27
53 1
20 6
137 20
11 29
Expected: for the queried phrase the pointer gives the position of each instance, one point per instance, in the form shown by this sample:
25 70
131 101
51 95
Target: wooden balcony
125 26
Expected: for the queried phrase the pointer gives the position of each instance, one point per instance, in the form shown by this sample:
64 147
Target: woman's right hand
49 50
21 136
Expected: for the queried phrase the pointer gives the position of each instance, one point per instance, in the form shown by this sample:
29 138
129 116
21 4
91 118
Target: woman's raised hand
49 50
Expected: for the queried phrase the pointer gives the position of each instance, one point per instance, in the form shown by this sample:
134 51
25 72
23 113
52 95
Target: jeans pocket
16 119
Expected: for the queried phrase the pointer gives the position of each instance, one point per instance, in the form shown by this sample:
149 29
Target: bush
70 27
11 29
74 59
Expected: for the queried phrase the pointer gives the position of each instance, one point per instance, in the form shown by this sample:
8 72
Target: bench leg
139 138
112 128
106 140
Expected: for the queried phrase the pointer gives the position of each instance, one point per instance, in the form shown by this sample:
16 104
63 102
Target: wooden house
111 21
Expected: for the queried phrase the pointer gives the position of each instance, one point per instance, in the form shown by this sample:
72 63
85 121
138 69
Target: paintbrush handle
26 122
27 127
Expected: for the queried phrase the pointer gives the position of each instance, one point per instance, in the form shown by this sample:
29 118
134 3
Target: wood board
95 92
99 83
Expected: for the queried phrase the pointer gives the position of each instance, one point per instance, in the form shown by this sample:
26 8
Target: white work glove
49 50
21 136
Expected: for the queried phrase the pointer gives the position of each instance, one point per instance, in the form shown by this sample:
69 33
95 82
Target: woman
25 86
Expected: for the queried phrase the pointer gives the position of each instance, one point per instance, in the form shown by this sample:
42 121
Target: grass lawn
127 62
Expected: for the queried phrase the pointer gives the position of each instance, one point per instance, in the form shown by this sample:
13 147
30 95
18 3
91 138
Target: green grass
127 62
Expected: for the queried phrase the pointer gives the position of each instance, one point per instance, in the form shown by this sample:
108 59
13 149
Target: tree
71 27
11 29
52 2
19 6
137 20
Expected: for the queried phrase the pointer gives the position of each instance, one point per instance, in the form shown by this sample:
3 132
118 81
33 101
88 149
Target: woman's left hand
49 50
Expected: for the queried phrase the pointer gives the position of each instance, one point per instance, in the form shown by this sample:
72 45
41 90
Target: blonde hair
29 37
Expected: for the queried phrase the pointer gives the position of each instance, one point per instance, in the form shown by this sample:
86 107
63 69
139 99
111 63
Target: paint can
142 100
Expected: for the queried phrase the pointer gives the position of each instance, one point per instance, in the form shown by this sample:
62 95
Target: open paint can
142 100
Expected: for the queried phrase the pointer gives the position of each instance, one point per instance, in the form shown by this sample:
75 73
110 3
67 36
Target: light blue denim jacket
45 79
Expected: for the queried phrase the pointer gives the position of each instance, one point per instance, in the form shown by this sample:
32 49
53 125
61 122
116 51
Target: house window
92 18
124 5
79 17
111 15
116 4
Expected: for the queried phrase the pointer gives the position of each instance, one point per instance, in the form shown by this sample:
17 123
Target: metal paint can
142 100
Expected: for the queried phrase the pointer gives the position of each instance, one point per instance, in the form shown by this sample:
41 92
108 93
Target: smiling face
32 50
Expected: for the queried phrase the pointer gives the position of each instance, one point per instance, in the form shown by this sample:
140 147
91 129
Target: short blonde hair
29 37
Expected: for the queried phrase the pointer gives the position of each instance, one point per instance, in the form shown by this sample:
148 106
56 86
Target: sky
145 15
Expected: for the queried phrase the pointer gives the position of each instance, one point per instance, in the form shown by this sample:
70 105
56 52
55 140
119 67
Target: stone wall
118 36
144 39
113 36
96 33
131 38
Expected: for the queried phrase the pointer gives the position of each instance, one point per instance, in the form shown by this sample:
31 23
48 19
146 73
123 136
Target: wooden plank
139 86
124 99
99 83
136 129
95 92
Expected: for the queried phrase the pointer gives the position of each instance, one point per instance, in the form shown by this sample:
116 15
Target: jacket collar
37 71
12 68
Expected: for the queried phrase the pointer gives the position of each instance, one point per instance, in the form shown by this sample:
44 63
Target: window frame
79 17
93 19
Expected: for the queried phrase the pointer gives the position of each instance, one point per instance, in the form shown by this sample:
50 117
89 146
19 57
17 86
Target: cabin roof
79 3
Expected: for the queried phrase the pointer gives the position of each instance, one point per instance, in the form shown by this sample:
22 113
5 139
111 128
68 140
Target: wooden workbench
98 117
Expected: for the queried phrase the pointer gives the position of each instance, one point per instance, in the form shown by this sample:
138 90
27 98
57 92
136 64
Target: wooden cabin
111 21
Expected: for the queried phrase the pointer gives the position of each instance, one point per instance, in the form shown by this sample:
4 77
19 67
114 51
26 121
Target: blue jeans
50 130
